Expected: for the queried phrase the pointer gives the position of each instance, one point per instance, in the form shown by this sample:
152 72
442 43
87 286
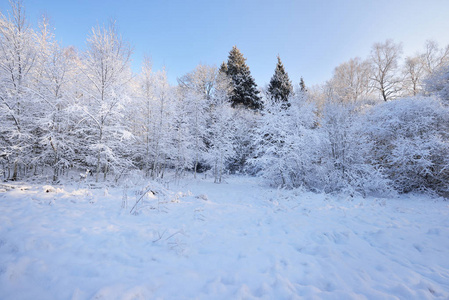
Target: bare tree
413 71
201 80
384 58
351 80
434 57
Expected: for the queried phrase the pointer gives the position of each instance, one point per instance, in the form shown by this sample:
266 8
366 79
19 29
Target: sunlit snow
200 240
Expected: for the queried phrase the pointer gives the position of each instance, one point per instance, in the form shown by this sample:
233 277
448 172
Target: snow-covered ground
239 240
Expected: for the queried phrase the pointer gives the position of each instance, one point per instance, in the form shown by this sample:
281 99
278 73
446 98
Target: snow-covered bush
410 139
438 83
245 126
285 144
331 153
345 152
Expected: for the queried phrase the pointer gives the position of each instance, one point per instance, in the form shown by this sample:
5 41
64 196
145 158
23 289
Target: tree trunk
14 175
99 157
106 169
98 166
55 174
221 168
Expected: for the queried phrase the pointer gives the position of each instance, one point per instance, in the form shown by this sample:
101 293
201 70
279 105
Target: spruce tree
244 90
223 68
280 85
302 85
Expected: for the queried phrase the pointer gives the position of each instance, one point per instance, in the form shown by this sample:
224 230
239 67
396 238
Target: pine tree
280 85
244 87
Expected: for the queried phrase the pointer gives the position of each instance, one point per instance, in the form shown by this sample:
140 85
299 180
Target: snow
200 240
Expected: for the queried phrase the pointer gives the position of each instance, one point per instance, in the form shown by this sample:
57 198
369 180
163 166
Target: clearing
200 240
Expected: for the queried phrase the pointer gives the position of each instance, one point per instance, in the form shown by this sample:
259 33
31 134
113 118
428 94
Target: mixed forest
379 125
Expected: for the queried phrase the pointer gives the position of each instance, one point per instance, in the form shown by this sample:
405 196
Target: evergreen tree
223 68
302 85
244 87
280 85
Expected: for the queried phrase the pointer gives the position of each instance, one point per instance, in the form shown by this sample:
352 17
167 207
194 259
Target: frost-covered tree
183 156
351 80
197 87
433 57
245 124
221 129
346 151
223 68
280 86
18 49
141 114
286 145
54 88
413 71
384 59
163 110
244 90
106 70
302 85
153 113
418 68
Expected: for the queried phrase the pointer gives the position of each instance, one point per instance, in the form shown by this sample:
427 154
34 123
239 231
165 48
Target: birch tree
54 87
161 119
106 70
17 60
221 128
197 88
433 57
351 80
384 58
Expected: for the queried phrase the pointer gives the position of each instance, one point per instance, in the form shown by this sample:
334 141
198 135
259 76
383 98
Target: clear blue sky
312 37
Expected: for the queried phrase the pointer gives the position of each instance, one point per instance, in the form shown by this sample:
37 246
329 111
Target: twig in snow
141 197
179 231
160 236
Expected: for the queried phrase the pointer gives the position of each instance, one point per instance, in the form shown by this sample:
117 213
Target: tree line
374 126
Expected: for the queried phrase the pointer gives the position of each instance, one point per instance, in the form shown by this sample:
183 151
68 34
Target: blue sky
312 37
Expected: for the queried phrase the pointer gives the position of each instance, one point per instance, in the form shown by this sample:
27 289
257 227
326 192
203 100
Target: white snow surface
237 240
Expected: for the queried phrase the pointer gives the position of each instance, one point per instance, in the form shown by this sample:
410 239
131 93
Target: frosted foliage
334 155
280 86
345 152
411 137
18 49
438 83
197 88
55 68
64 110
221 139
221 129
245 123
285 143
161 130
105 69
244 89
